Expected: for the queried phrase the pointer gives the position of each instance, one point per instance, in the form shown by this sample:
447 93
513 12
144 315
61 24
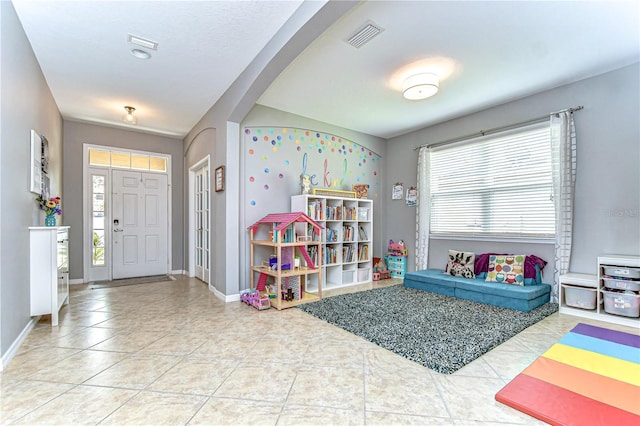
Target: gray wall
26 103
75 135
218 132
607 199
261 116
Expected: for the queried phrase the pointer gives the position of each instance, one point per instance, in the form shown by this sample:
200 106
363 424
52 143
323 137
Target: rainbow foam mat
591 376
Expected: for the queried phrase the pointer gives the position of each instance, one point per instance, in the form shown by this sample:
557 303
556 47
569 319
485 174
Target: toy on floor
249 295
380 271
262 302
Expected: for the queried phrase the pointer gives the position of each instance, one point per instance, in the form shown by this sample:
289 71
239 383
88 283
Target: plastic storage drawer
624 304
580 297
622 272
622 284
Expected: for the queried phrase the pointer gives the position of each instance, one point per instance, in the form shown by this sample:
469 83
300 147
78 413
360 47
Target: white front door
202 223
139 224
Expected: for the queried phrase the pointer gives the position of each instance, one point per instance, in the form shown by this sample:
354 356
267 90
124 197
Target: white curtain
423 210
563 152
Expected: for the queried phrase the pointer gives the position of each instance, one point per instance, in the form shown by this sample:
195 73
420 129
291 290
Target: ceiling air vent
364 34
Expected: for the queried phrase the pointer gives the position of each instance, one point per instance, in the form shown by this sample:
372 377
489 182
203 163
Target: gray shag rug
440 332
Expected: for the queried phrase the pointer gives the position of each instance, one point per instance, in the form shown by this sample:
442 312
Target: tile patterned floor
172 353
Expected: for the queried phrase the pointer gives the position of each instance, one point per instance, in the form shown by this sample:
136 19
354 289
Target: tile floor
172 353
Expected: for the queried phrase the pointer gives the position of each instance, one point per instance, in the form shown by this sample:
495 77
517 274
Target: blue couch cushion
522 298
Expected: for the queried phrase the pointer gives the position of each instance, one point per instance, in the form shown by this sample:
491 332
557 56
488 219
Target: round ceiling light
420 86
140 54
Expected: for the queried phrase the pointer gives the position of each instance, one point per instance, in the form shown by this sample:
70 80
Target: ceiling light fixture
142 42
420 86
129 118
140 54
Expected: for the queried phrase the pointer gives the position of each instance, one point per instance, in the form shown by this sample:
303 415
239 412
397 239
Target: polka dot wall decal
266 170
273 142
299 149
286 162
290 137
284 130
266 187
252 179
317 135
251 152
266 138
255 139
297 141
264 158
280 175
275 149
320 150
271 131
253 202
333 138
333 150
259 131
375 173
247 131
306 133
279 137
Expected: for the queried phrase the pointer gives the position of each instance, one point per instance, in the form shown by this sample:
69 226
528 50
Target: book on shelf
332 235
363 252
347 233
348 254
362 234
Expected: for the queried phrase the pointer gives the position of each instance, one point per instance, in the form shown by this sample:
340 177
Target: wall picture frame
219 179
35 181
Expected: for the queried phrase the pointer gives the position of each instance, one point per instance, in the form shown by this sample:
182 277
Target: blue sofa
521 298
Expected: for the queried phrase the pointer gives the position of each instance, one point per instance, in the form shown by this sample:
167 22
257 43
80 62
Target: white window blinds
494 186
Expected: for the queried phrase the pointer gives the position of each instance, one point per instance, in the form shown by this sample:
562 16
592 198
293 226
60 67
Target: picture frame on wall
35 184
219 179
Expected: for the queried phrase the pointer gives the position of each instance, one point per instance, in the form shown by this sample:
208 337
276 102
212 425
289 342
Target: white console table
49 269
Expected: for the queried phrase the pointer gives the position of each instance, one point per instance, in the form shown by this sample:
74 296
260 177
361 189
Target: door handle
117 230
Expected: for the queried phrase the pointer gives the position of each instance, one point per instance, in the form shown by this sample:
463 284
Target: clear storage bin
579 297
622 272
624 304
622 284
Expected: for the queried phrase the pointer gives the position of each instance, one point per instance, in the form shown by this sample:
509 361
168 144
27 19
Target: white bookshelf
347 238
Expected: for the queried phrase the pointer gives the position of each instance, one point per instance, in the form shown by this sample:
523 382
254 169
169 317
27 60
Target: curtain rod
499 129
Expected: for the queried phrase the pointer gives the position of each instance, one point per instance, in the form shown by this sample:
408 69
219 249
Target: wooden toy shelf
295 235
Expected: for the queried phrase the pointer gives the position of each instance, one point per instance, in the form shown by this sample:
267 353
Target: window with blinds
494 186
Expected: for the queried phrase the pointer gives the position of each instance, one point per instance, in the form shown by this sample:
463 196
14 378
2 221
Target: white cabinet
49 270
602 298
347 240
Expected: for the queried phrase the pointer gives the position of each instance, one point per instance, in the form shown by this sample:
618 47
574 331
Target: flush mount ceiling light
420 86
129 118
140 54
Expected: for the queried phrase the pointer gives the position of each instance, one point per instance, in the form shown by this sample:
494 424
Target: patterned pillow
460 264
507 269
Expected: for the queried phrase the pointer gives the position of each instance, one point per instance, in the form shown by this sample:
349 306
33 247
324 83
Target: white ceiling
486 53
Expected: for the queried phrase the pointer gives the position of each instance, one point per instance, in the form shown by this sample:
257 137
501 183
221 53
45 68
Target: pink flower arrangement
50 206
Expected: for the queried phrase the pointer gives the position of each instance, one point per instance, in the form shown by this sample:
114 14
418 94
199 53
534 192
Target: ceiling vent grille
364 34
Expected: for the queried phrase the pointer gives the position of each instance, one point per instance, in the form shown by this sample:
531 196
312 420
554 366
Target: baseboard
179 272
13 349
224 297
76 281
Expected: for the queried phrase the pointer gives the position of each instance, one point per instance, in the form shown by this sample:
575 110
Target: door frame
86 208
206 161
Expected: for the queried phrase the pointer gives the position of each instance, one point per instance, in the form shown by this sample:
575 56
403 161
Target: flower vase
50 220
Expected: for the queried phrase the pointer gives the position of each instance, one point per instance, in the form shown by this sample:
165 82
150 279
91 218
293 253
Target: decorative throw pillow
460 264
507 269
